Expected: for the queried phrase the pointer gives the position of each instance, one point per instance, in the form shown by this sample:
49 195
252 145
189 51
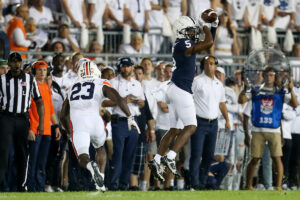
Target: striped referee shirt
15 92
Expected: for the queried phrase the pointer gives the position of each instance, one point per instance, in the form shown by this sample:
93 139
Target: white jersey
85 97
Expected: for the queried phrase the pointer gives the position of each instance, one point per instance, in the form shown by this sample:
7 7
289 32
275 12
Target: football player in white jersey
80 112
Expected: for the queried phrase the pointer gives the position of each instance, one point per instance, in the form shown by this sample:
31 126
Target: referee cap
14 57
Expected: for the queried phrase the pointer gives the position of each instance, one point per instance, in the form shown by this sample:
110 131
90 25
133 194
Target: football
209 16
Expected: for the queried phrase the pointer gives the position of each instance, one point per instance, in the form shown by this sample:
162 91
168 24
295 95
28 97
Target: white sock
157 158
144 186
180 184
171 182
90 168
102 175
171 155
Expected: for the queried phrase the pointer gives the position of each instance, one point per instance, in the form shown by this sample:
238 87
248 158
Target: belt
206 120
117 118
14 114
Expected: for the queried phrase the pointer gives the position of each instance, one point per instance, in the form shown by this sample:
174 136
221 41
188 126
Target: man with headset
209 97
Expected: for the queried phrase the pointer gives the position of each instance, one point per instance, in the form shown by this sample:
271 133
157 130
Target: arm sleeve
35 92
18 38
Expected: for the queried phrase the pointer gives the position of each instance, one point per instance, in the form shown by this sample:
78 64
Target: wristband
56 126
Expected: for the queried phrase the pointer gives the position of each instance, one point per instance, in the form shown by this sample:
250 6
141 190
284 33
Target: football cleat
157 170
97 176
171 164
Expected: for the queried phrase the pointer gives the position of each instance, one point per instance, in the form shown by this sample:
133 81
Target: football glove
132 123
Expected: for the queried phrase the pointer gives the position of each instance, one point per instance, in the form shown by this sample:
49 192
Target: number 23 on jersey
84 91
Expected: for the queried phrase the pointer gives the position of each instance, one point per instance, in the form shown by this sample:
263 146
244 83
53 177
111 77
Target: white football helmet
88 71
182 25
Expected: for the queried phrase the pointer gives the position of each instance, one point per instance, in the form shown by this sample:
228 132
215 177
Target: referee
16 88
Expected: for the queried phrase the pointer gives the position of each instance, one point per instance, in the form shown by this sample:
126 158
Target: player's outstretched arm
113 95
202 45
65 116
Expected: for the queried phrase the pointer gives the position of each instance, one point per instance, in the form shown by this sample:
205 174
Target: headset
202 62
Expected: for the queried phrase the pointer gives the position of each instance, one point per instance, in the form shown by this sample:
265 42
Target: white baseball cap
221 69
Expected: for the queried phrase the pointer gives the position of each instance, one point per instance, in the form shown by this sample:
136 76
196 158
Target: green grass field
161 195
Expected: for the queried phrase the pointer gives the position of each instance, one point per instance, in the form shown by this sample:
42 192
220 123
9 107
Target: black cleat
171 164
157 170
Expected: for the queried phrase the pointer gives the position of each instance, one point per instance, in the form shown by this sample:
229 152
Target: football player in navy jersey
179 93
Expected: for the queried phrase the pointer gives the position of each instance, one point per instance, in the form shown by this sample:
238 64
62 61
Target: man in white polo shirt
209 97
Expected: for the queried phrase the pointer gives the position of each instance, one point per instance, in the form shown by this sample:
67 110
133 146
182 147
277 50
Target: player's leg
98 137
81 143
183 104
154 165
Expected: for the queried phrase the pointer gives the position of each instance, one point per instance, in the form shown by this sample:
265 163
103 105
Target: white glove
132 123
215 24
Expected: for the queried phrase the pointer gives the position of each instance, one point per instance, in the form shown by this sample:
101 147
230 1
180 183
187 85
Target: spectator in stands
56 47
176 9
75 11
156 16
137 12
55 6
226 43
136 46
95 48
286 15
296 63
40 13
267 129
96 10
1 16
3 67
196 7
114 16
64 36
253 14
297 14
236 12
269 12
16 31
39 144
36 35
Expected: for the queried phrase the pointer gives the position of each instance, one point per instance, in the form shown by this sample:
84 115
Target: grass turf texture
160 195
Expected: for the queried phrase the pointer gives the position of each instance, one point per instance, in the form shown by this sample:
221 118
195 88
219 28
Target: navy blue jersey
267 110
185 66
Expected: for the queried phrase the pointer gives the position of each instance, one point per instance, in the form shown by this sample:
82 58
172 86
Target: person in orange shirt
16 31
39 144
